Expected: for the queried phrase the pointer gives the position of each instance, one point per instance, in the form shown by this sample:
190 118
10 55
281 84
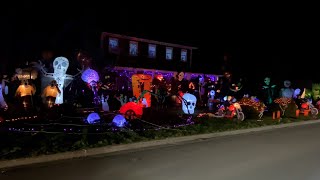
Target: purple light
212 77
93 118
119 120
90 75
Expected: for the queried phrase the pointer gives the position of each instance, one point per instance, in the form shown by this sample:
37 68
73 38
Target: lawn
18 145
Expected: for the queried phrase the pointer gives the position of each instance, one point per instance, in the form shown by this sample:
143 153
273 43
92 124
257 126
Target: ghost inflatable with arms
60 66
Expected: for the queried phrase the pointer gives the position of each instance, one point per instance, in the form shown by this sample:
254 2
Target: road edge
139 145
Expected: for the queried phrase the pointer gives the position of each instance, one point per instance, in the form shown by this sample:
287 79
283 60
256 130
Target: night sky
283 43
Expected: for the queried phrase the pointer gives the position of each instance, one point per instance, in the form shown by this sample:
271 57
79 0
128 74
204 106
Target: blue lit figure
93 118
119 121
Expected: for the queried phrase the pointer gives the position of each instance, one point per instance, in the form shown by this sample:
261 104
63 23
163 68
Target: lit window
133 48
183 55
152 51
113 44
169 53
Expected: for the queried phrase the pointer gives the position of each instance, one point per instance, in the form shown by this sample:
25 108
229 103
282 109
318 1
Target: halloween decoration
180 76
122 99
287 92
315 91
50 93
211 100
3 104
189 103
296 93
26 73
254 103
283 103
268 90
25 89
141 85
84 60
307 107
26 92
91 77
119 120
60 66
104 102
93 118
131 110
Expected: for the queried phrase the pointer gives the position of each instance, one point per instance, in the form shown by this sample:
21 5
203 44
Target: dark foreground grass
18 145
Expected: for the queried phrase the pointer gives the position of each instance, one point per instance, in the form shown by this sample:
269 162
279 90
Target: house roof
104 34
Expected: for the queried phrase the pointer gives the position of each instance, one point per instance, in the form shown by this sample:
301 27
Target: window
152 51
113 45
169 53
183 55
133 48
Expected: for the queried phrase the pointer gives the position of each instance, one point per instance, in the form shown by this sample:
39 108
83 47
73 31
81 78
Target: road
284 154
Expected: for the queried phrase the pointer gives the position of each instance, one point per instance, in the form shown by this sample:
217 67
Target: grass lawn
18 145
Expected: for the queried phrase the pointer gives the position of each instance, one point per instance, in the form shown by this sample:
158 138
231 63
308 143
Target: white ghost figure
296 93
104 102
60 66
3 103
189 102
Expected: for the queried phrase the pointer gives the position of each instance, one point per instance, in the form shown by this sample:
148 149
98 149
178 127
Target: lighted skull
189 103
60 65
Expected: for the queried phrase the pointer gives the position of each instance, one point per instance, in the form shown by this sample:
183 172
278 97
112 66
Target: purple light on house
212 77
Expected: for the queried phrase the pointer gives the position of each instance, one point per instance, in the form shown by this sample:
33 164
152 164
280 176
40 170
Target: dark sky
271 38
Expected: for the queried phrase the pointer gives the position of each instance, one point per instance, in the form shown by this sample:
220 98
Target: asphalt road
284 154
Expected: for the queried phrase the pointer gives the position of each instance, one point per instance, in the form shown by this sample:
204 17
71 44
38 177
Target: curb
139 145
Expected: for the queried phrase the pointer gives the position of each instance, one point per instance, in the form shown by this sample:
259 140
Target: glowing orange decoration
131 110
140 83
25 90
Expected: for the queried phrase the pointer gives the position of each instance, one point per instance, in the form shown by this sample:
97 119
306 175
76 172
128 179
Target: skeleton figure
60 66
